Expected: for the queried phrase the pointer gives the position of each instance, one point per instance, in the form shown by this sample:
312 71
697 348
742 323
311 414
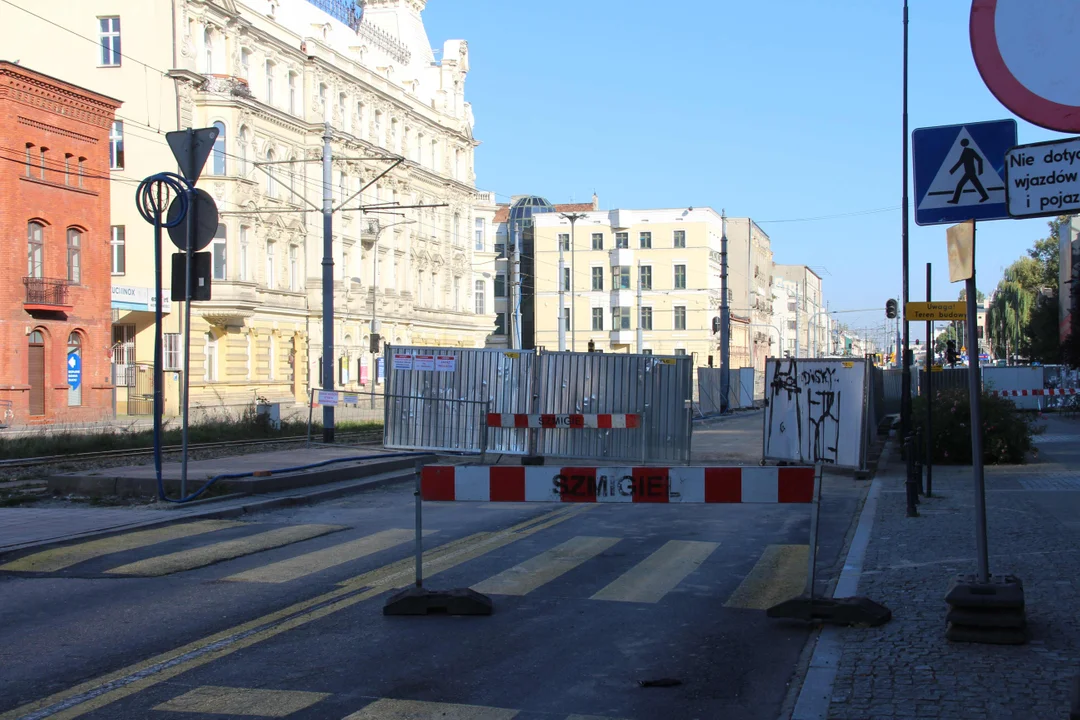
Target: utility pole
515 285
328 284
905 383
725 317
573 218
798 307
190 233
562 298
640 329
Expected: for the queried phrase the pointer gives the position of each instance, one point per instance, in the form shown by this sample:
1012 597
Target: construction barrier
601 421
1034 393
481 483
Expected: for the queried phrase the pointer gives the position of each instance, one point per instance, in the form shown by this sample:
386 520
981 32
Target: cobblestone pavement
907 669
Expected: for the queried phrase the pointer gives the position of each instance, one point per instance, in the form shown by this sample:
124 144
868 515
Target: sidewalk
906 668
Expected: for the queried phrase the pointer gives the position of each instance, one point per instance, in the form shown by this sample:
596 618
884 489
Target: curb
324 492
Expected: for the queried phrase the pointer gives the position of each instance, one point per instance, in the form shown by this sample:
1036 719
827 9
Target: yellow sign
915 311
937 368
513 356
848 364
668 361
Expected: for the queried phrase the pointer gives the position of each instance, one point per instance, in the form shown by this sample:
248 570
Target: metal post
905 373
725 317
929 435
562 299
909 484
190 248
975 391
811 562
310 412
419 468
328 284
159 375
515 285
640 330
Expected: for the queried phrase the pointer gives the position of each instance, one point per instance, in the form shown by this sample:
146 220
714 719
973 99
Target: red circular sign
988 17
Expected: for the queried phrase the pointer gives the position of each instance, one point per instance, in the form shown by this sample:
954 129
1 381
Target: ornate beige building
270 74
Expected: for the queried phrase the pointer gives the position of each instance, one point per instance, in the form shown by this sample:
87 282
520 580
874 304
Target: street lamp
374 301
573 218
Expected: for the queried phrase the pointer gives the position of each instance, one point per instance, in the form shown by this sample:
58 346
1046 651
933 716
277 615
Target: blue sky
781 110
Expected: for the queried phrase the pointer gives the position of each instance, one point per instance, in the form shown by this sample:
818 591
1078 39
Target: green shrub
1007 431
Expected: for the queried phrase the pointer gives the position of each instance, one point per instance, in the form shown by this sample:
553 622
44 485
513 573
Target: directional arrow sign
191 148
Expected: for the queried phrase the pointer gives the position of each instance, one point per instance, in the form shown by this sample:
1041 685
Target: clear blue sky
779 110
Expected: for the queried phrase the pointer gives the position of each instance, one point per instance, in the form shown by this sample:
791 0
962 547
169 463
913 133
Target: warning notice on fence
445 363
403 362
424 362
327 397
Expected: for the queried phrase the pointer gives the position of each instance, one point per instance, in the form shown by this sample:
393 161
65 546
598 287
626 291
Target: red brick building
55 283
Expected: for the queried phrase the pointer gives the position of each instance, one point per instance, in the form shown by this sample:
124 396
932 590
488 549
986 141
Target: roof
502 214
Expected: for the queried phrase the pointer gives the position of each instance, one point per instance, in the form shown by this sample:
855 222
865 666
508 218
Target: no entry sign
1026 54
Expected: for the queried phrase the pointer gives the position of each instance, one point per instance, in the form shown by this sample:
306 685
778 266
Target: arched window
210 358
271 181
457 229
74 369
269 82
35 249
218 167
219 250
480 297
208 48
74 256
36 372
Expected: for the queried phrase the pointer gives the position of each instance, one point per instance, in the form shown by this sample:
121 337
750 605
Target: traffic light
592 346
890 308
715 325
950 353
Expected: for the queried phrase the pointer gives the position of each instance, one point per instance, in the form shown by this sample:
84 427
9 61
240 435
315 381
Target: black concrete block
986 636
421 601
835 611
1000 592
987 617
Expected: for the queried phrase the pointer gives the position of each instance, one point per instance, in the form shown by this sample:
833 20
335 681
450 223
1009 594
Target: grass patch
247 427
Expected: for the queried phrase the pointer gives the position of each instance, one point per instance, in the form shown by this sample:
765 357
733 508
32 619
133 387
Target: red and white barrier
618 484
1034 393
602 421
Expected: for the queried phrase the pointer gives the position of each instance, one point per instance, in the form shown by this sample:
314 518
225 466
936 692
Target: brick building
55 283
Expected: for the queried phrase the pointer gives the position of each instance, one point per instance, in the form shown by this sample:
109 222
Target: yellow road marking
660 573
112 687
545 567
419 710
778 575
313 562
213 700
227 550
64 557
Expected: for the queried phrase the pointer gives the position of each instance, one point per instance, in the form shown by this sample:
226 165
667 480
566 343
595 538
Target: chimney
595 201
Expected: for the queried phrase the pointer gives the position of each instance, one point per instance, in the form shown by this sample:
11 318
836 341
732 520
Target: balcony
227 85
621 257
49 294
622 337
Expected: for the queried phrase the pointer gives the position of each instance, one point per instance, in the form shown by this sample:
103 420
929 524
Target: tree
1041 342
980 296
1007 317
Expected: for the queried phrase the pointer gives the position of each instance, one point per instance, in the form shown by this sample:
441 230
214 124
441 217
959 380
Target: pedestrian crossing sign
960 170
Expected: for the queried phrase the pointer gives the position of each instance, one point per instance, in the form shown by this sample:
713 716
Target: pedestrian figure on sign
968 158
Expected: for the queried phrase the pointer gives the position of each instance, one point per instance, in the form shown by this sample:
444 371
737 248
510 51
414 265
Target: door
36 373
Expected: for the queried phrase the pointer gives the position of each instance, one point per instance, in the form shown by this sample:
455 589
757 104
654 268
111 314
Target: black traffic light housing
592 346
950 353
890 308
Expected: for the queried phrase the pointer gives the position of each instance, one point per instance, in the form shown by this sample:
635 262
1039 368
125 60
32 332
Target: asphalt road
280 615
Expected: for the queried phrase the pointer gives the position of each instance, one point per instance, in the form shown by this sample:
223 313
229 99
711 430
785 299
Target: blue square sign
960 171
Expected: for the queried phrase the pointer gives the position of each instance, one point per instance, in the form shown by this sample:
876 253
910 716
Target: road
280 614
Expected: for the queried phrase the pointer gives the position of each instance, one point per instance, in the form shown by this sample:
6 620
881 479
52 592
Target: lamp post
374 300
573 218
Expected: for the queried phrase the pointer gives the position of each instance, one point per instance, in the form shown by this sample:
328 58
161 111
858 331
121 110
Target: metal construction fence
740 389
438 399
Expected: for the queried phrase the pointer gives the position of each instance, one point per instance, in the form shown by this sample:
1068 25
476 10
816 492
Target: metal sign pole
187 321
929 434
159 382
975 391
419 468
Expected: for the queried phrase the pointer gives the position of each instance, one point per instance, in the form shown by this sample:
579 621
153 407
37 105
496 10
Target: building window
458 240
622 240
598 278
210 358
620 278
41 167
479 234
342 104
680 277
74 367
680 352
29 158
645 277
271 357
171 356
598 318
598 241
646 351
791 306
500 285
790 324
679 239
620 318
566 318
378 125
217 162
500 251
245 63
564 241
478 297
324 102
109 32
74 256
220 252
457 294
680 317
500 323
395 142
566 278
82 170
35 241
270 264
119 256
243 253
271 180
646 318
67 168
292 93
646 240
116 146
294 268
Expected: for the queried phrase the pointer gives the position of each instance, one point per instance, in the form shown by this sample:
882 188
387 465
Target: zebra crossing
267 703
778 574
